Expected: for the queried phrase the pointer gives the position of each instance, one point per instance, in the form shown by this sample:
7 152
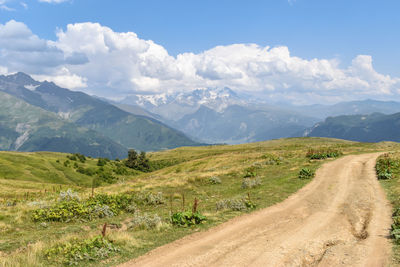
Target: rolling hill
375 127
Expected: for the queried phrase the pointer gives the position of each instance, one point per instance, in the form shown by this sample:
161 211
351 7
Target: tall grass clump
306 173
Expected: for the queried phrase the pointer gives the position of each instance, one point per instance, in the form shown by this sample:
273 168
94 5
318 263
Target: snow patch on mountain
31 87
176 105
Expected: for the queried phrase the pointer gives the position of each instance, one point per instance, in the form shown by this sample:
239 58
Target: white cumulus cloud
98 60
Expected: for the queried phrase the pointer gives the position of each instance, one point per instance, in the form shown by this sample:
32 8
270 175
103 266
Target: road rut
341 218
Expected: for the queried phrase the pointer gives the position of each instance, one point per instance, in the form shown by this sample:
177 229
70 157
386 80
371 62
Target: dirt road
341 218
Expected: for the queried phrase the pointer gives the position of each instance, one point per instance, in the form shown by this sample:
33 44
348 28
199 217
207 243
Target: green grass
186 175
392 188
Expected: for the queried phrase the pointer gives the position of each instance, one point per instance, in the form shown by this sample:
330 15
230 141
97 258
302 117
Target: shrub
145 221
102 161
306 173
97 207
395 232
68 195
77 251
272 159
187 218
120 170
132 208
384 166
214 180
137 161
235 204
151 199
107 177
251 182
323 153
102 211
87 171
250 172
77 156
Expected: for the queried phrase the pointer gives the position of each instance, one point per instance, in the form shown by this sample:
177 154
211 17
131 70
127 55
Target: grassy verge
224 181
388 170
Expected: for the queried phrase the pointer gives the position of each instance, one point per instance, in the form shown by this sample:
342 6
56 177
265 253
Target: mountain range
43 116
216 115
123 129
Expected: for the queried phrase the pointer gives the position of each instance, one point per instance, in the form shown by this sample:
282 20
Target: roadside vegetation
66 209
388 172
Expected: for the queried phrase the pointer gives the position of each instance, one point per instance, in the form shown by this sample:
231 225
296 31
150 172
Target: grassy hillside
24 127
226 180
375 127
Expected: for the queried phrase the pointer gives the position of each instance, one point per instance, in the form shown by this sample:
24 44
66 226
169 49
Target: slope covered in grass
24 127
227 181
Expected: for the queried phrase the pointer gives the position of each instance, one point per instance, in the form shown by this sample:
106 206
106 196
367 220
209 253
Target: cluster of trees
137 161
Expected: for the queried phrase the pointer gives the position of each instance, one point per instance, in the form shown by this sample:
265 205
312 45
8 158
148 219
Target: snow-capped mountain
175 106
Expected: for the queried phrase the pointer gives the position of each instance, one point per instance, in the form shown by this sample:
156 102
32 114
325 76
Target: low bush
323 153
69 195
76 251
102 161
272 159
100 206
306 173
384 166
250 172
120 170
86 171
145 221
106 177
187 218
235 204
76 157
395 232
214 180
151 199
251 182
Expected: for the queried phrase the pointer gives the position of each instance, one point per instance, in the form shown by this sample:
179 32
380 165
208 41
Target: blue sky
334 30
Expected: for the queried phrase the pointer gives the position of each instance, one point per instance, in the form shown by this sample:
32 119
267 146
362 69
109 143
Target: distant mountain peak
176 105
20 78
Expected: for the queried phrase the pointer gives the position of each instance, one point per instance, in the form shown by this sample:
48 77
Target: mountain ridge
131 131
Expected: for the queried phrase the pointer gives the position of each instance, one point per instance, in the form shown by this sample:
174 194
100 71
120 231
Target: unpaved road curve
341 218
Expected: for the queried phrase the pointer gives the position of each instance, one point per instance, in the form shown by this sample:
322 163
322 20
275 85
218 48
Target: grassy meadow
224 181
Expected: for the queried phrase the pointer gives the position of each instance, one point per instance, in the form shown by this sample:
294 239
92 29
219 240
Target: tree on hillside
137 161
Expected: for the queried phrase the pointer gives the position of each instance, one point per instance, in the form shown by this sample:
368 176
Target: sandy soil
341 218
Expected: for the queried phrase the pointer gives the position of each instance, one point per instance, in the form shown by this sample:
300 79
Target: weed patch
187 218
78 251
251 182
323 153
306 173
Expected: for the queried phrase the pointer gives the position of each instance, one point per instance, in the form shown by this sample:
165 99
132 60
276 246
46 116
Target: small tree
132 161
137 161
143 161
